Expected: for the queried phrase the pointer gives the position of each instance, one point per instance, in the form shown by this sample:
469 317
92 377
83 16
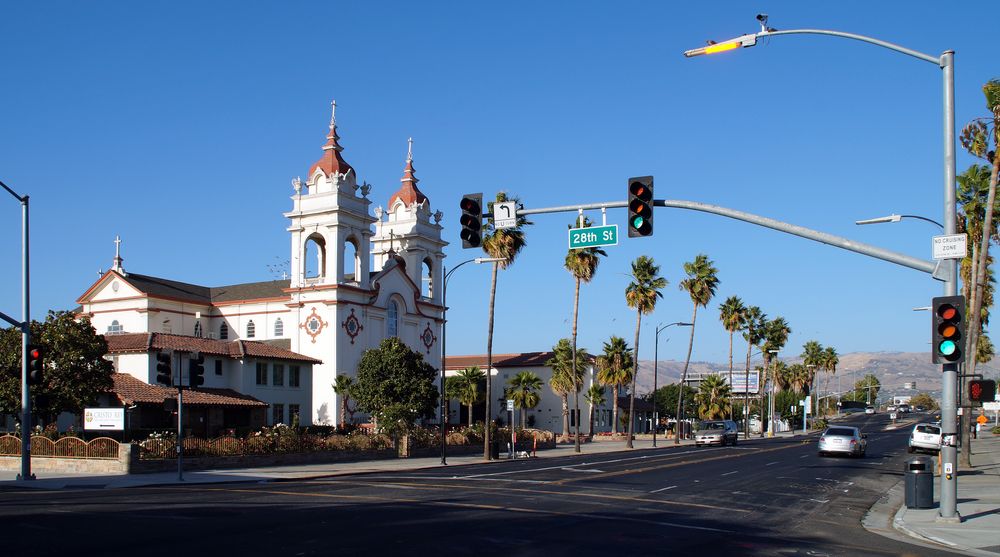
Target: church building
358 275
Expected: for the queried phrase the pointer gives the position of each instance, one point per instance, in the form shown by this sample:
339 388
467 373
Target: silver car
843 440
717 432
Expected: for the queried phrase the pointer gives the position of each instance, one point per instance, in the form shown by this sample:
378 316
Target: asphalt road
761 497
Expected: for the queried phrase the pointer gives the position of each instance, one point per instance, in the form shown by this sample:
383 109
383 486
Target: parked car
869 410
843 440
925 437
920 409
890 408
716 432
903 408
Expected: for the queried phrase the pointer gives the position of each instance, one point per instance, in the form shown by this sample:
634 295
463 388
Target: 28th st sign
593 236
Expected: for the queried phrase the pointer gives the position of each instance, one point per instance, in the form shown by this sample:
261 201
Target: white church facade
358 275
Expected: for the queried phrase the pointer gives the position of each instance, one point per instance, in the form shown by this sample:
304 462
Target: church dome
332 162
408 192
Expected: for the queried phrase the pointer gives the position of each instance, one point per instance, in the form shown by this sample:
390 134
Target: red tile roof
149 342
130 390
408 193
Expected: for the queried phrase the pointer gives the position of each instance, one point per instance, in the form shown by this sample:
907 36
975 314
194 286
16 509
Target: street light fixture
897 218
656 361
948 270
444 353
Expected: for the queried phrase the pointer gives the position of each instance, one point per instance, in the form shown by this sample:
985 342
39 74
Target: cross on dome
408 192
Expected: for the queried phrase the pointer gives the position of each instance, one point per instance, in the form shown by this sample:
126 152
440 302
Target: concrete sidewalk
978 533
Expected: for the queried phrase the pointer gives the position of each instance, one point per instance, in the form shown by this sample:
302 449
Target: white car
870 410
925 437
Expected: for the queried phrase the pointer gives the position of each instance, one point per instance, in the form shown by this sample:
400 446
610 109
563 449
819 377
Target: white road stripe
663 489
728 473
770 463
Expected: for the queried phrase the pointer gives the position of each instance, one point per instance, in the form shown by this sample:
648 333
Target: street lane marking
771 463
561 466
728 473
663 489
571 469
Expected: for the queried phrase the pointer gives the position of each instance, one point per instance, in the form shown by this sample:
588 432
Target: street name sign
949 246
510 405
593 236
504 215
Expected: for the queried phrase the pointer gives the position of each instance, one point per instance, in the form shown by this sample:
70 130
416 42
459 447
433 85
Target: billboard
108 419
740 381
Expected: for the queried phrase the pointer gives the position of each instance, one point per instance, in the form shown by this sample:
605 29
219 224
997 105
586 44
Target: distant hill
892 369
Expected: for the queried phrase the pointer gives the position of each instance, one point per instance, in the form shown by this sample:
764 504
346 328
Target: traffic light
471 220
164 369
948 330
982 390
36 365
640 206
196 370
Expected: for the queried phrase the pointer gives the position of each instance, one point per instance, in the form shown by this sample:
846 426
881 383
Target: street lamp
947 272
25 326
444 353
656 361
897 218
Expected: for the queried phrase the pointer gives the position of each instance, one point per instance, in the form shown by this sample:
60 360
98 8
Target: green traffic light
637 222
947 348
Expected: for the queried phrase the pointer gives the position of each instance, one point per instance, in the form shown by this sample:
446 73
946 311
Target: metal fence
66 447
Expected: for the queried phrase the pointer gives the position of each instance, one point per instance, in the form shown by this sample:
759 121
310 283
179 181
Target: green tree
776 332
980 138
595 397
523 390
582 264
75 374
867 388
342 386
567 375
700 284
395 385
925 400
666 397
714 398
733 314
614 368
470 386
641 294
506 244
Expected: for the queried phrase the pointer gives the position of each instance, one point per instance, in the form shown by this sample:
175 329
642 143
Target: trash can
919 483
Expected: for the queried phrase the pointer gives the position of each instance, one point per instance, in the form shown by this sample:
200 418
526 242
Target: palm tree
776 333
505 244
595 397
830 360
714 398
582 264
564 370
732 313
342 386
812 359
523 390
700 284
753 326
471 378
641 294
614 368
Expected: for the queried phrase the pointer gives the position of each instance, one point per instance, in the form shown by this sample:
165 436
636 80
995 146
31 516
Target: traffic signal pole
25 326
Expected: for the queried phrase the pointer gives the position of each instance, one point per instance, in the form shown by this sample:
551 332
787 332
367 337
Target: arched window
314 256
115 328
251 329
392 319
351 262
427 280
279 328
197 329
223 331
166 328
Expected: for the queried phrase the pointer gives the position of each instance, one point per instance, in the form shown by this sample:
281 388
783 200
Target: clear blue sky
180 125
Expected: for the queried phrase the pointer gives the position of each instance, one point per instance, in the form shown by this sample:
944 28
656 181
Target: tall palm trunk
614 410
470 414
684 374
576 384
343 411
565 415
489 367
590 434
524 416
635 373
730 359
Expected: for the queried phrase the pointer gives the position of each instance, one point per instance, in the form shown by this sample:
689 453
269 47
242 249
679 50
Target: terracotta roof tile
148 342
130 390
